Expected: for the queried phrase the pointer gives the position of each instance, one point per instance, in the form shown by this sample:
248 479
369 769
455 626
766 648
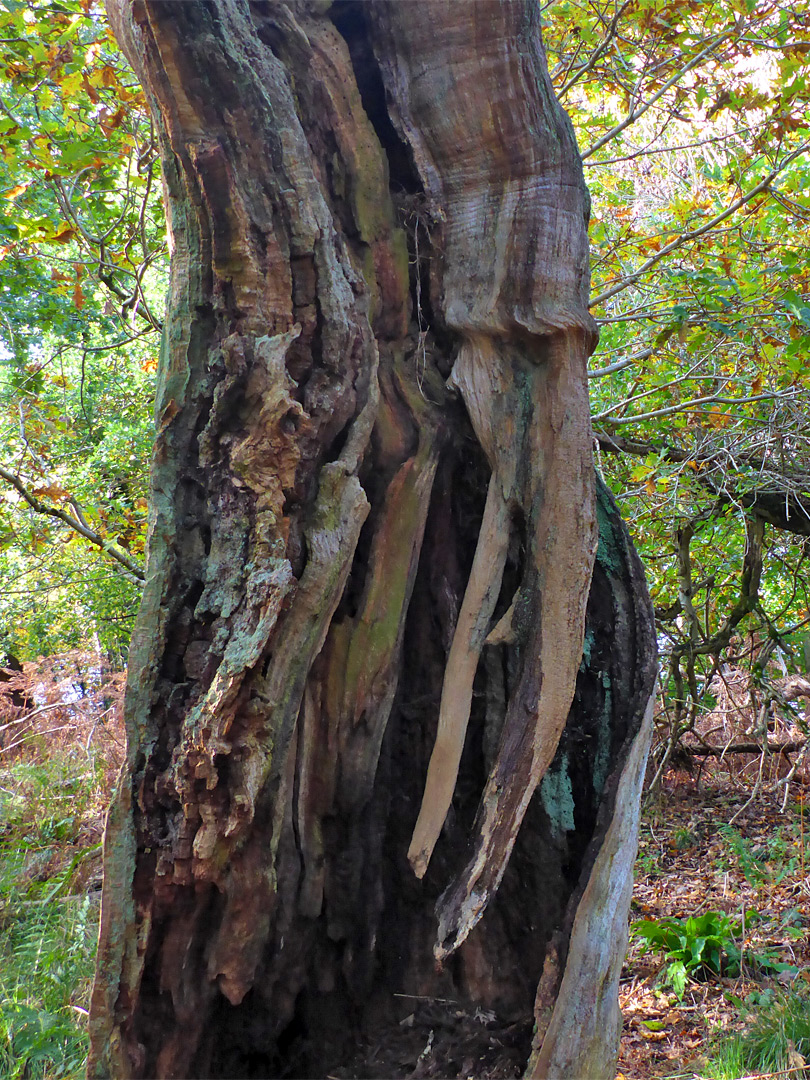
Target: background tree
373 535
81 265
694 123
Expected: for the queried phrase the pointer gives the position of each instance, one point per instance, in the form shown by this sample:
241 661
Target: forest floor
703 852
696 857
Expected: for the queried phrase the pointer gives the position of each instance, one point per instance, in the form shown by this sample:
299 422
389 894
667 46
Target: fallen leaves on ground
691 862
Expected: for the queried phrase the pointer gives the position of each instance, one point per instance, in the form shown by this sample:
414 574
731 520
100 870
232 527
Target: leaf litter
690 862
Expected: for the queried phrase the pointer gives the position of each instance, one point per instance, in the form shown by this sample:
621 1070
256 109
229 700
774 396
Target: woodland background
693 119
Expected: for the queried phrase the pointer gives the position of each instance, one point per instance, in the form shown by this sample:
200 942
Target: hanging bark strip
506 191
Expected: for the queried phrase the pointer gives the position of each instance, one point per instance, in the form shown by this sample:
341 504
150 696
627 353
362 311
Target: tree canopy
693 125
82 277
692 119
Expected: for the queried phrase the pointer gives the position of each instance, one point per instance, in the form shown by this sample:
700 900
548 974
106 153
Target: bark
380 691
12 672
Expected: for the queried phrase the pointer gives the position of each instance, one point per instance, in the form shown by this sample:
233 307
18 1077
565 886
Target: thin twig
693 234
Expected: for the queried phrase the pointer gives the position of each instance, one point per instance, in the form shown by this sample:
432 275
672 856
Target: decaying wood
553 593
769 747
346 657
480 598
520 372
587 997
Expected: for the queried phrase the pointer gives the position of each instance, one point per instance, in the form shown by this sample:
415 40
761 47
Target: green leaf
654 1025
676 977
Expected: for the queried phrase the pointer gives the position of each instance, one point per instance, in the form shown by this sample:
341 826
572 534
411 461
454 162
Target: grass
48 918
46 959
776 1040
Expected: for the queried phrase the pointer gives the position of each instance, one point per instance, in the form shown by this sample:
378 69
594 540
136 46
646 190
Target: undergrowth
46 959
776 1040
58 757
60 751
48 915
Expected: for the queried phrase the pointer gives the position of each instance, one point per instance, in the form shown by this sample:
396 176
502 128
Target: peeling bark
347 657
480 598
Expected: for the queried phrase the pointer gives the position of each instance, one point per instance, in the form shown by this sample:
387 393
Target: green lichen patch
558 796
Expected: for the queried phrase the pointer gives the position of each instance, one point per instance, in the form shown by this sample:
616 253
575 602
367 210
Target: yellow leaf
71 83
18 190
649 487
717 418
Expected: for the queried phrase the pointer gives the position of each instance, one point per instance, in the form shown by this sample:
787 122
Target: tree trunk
373 788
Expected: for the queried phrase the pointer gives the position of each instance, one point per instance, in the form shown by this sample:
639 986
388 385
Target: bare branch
779 498
707 750
647 151
597 53
688 406
620 365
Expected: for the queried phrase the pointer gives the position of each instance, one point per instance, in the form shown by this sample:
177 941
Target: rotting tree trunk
373 772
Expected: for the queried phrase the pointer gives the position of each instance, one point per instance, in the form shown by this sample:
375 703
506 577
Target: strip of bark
480 598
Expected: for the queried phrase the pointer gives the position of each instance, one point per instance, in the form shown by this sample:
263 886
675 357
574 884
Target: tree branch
785 509
744 748
78 524
620 365
693 234
599 51
690 405
634 114
748 599
647 151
